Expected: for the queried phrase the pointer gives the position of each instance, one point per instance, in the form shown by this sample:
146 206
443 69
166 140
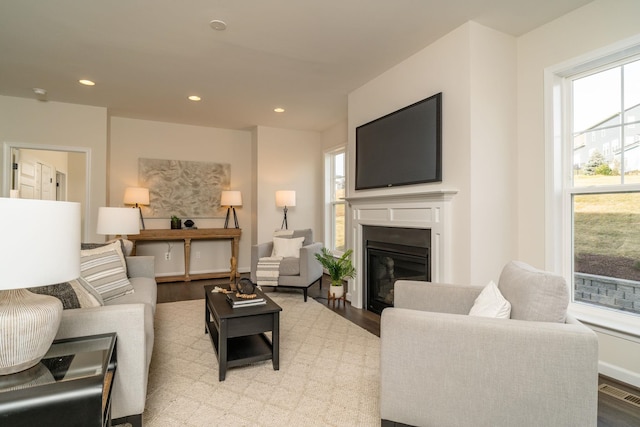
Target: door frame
8 170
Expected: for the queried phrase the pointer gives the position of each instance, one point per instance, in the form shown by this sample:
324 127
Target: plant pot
176 224
336 291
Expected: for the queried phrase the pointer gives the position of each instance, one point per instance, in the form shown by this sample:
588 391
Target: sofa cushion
146 292
289 267
105 269
534 294
491 303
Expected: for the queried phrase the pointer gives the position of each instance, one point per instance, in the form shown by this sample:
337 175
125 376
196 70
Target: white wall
473 67
132 139
288 160
56 124
589 28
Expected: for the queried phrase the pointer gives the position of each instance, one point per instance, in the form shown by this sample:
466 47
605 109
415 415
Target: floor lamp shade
285 198
44 249
116 221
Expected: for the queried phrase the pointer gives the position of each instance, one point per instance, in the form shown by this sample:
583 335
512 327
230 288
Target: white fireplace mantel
428 209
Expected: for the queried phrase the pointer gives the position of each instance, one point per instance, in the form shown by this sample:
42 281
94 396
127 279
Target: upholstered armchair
291 265
442 367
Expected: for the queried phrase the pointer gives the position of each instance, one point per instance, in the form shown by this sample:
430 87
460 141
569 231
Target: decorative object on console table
231 199
117 221
176 223
338 269
44 250
285 198
137 196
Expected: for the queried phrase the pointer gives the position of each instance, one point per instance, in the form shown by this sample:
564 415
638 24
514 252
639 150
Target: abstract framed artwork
187 189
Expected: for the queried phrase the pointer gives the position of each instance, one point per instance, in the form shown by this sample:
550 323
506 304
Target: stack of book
237 302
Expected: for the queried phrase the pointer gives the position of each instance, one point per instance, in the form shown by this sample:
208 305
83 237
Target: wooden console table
187 235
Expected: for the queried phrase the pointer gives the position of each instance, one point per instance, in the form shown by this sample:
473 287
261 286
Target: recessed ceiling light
279 110
218 25
194 98
86 82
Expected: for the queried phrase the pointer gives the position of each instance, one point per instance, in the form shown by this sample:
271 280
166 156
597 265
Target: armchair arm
453 370
310 267
141 266
438 297
259 251
131 323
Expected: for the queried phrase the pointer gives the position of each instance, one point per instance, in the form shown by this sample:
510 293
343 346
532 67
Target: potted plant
338 269
176 223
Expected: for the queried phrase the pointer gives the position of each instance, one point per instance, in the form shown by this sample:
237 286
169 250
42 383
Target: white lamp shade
41 243
118 221
133 195
285 198
231 198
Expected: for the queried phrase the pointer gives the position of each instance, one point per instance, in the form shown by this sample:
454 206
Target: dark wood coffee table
238 334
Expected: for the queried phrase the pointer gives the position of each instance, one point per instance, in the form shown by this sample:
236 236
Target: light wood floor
612 412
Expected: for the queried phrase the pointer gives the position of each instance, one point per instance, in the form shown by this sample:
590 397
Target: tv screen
401 148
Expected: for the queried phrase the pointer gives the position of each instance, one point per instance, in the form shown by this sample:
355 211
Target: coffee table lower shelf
242 350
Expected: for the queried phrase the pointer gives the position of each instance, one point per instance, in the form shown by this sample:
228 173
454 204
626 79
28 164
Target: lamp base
28 324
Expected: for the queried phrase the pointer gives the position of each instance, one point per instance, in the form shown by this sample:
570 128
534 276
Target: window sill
607 320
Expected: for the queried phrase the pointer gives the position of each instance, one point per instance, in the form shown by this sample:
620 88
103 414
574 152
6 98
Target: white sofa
131 318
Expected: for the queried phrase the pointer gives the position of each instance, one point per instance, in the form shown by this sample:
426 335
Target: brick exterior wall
608 292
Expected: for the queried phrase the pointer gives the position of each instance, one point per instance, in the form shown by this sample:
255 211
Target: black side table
71 386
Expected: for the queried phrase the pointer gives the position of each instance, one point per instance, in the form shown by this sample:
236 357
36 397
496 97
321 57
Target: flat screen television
401 148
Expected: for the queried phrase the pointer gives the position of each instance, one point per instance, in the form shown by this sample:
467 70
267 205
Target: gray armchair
298 273
441 367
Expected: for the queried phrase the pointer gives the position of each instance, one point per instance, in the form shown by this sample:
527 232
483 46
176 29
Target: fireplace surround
427 210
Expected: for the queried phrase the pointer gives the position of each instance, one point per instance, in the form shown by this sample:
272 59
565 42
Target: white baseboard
620 374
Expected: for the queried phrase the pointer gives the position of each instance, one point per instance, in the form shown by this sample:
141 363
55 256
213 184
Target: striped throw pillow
104 268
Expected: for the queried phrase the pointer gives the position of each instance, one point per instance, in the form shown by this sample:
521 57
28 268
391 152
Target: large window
335 193
599 183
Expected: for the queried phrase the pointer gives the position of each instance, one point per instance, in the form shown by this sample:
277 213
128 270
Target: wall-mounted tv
401 148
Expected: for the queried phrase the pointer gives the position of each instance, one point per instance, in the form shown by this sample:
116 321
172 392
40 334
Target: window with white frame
597 191
335 193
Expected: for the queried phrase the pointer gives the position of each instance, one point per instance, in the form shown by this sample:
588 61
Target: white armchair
441 367
298 273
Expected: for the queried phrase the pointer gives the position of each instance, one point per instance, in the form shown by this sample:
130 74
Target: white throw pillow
287 248
491 303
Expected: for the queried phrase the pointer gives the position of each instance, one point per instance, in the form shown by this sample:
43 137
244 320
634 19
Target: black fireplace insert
393 253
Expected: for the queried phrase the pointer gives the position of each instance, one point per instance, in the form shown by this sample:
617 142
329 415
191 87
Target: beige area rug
329 372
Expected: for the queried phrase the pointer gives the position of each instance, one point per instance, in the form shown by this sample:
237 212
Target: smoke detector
41 94
218 25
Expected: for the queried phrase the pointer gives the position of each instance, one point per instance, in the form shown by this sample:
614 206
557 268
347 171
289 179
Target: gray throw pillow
534 294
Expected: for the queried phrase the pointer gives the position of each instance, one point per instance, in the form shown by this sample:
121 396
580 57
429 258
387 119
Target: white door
36 181
27 180
47 182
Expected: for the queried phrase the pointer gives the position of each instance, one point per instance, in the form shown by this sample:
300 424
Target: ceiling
148 56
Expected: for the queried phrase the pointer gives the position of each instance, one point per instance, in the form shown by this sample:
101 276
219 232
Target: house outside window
335 191
596 185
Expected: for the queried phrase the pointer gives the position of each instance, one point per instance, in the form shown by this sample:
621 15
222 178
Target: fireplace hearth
390 254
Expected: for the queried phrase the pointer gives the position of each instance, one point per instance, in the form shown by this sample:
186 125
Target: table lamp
285 198
41 246
137 196
231 199
117 221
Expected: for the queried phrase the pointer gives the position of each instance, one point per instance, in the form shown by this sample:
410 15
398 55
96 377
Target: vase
176 224
336 290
